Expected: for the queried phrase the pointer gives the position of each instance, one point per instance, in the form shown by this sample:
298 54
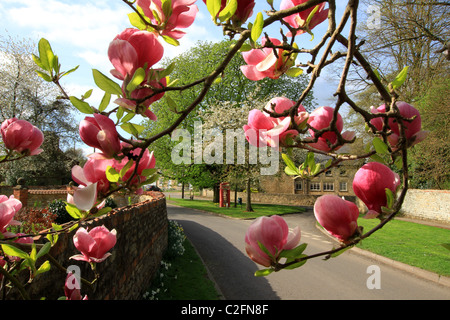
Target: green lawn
238 212
184 279
411 243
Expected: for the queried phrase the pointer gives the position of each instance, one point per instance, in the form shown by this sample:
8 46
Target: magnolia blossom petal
85 198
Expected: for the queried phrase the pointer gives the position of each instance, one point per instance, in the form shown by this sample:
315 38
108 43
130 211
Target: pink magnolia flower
72 288
320 119
272 232
141 93
133 49
94 171
243 12
263 130
21 136
262 63
413 131
370 183
100 132
337 216
95 244
298 20
8 209
182 15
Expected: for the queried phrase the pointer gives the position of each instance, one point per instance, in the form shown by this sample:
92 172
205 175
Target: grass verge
182 274
410 243
238 212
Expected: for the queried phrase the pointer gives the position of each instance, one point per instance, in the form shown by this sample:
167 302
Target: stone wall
433 205
142 231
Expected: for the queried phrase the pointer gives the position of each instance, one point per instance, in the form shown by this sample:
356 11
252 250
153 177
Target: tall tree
233 87
413 34
25 95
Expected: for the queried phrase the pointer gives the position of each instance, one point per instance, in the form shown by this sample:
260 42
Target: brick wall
142 231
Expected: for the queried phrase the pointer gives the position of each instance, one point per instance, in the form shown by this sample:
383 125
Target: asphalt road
220 243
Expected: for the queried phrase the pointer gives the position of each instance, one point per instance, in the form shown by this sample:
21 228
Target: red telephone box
224 190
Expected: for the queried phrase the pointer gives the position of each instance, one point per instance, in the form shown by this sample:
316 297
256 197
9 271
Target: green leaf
46 55
257 27
311 15
167 71
310 161
105 83
263 272
377 158
11 250
125 168
213 8
390 197
228 11
70 71
172 104
82 106
136 21
291 172
43 268
338 253
290 164
380 146
105 102
293 253
138 78
87 94
148 172
294 72
400 78
264 249
171 40
112 175
74 211
44 250
296 265
166 6
132 128
44 76
37 60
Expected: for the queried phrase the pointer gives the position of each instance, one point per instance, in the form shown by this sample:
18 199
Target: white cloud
83 26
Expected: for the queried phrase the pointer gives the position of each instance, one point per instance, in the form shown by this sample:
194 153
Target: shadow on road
230 268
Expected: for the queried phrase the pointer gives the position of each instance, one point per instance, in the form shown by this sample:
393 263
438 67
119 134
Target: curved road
220 243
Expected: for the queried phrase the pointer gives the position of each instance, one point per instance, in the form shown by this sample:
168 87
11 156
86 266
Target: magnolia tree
124 163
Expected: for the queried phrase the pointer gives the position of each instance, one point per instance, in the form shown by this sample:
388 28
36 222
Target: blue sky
80 32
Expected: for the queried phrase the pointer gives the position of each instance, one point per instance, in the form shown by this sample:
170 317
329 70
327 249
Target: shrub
58 207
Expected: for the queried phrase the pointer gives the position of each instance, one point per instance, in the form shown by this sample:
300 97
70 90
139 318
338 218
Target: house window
328 173
328 186
342 172
298 185
314 186
343 186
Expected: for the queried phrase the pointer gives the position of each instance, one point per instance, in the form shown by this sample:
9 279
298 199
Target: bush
58 207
